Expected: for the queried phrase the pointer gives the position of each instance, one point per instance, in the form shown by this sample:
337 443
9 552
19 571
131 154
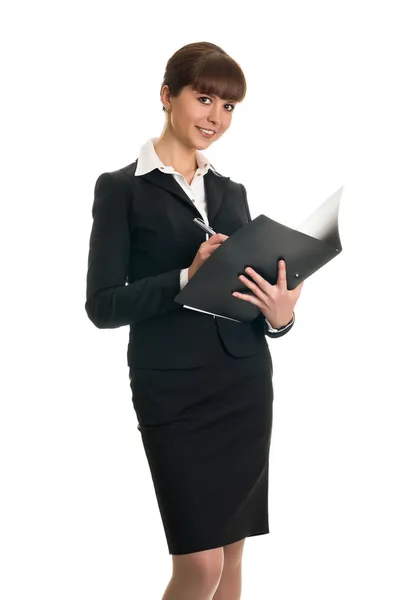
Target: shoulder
232 185
112 192
117 179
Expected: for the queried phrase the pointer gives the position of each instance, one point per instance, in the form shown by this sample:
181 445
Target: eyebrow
214 96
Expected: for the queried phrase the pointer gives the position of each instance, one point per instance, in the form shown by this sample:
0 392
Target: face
192 110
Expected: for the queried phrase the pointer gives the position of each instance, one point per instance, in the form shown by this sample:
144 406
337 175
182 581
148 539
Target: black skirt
206 432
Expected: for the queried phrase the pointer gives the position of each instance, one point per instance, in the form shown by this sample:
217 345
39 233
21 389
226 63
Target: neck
172 152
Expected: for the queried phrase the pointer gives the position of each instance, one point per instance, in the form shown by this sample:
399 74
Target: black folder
260 244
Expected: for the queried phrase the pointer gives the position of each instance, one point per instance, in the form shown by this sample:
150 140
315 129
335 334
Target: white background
81 84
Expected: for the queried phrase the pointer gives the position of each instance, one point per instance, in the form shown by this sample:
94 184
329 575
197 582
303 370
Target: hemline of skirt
176 552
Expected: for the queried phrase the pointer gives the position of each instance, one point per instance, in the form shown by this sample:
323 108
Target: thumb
297 290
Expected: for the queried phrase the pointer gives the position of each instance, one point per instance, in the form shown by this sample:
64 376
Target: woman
201 385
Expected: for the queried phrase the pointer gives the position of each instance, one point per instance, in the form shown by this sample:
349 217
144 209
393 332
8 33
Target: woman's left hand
276 302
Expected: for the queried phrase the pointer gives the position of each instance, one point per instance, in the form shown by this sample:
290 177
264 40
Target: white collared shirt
148 160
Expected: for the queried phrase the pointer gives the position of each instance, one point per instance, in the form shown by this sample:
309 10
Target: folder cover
260 244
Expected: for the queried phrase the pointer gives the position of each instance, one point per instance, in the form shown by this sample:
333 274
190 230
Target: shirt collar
148 160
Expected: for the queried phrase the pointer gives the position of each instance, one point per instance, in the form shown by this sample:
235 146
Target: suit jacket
142 236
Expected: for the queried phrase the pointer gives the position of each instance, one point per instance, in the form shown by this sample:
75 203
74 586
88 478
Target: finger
282 282
248 298
260 281
256 290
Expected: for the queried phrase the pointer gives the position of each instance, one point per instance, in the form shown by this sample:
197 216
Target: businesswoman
201 384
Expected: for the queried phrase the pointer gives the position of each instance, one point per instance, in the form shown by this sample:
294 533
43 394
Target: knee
205 568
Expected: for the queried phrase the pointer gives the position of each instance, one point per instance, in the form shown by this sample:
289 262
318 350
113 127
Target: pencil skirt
206 433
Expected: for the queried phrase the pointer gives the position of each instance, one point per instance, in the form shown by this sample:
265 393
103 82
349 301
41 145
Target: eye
207 98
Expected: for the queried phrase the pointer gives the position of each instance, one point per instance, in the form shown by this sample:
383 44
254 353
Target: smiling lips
206 132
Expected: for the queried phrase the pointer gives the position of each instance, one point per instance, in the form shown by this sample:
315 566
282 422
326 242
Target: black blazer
142 236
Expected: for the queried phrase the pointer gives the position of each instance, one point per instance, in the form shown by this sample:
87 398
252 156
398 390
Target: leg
195 576
230 585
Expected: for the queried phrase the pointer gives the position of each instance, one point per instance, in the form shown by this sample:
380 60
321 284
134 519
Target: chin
204 146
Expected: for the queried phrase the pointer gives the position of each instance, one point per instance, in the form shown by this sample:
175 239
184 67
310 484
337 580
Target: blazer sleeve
110 301
260 318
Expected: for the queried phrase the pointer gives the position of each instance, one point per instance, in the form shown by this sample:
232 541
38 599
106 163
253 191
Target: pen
203 226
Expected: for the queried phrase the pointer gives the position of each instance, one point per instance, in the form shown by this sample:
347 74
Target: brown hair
208 69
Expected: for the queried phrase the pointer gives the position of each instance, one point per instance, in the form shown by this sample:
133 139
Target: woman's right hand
205 250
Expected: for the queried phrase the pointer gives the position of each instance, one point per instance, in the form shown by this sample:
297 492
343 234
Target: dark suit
142 236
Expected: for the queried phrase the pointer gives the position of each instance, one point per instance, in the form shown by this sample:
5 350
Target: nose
215 115
215 122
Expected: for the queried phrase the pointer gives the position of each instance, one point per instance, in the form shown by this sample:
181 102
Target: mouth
207 133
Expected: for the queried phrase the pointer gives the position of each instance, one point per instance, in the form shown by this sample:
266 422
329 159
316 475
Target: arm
110 302
268 329
271 332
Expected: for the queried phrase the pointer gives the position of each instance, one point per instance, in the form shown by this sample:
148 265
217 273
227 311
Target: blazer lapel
214 187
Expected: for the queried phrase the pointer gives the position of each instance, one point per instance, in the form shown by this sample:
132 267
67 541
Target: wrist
279 325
